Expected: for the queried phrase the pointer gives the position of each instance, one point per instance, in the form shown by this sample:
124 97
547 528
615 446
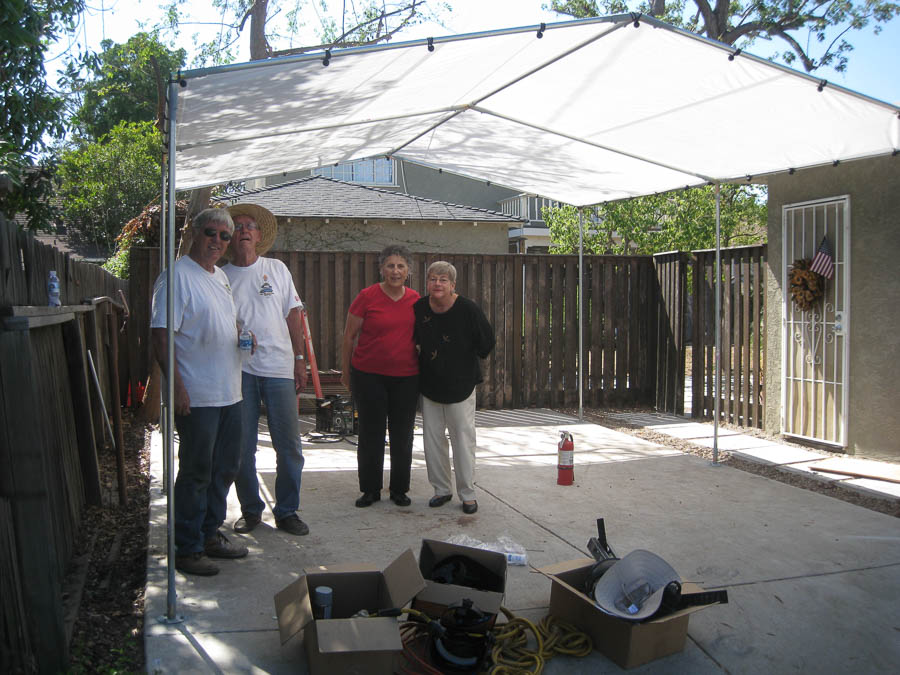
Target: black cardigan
451 345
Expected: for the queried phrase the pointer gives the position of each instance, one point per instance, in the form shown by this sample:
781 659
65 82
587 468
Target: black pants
384 402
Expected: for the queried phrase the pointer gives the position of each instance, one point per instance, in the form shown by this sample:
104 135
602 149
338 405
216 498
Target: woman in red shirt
380 367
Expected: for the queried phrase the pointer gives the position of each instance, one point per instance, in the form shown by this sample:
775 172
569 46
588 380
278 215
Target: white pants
459 420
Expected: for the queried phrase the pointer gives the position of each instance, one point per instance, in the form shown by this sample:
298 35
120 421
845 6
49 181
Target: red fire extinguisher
565 462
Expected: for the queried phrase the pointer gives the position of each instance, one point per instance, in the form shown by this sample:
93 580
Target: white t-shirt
205 327
264 294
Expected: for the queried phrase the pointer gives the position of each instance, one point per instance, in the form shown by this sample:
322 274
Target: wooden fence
632 328
50 425
742 335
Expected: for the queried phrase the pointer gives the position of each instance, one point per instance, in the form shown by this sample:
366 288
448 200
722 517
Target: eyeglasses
443 281
210 232
246 226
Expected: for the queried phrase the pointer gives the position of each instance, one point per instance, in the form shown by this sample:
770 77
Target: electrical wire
512 656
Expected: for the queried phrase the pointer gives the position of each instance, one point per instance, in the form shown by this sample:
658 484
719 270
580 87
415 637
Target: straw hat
633 587
268 226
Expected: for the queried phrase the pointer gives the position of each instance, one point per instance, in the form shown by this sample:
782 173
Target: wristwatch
299 357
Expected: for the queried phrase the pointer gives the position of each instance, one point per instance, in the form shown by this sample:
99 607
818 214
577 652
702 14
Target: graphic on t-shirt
266 288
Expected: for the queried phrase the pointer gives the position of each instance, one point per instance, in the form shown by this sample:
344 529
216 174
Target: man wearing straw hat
275 373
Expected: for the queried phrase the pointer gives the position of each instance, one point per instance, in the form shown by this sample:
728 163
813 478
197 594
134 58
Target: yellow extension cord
512 656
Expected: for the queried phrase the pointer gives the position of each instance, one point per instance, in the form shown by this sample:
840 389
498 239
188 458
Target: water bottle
245 342
53 289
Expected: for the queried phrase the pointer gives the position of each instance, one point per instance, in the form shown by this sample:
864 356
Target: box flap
565 566
433 553
445 595
373 634
342 568
403 579
293 609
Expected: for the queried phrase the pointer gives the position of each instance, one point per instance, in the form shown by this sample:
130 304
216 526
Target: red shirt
385 344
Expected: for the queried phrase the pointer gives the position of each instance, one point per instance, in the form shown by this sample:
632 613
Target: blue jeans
280 399
209 452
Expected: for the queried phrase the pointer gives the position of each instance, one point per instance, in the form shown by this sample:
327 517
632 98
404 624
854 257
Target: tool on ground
311 354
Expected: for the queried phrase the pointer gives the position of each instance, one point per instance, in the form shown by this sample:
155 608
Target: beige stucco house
833 372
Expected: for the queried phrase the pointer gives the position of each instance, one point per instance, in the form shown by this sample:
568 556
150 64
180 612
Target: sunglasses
210 232
246 226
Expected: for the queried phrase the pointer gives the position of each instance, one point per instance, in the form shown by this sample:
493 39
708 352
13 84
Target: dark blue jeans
209 451
384 401
280 398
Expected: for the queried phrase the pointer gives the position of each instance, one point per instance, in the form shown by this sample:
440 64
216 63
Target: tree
813 31
266 25
122 84
31 114
106 183
681 220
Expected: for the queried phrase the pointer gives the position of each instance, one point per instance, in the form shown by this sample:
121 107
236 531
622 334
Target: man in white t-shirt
268 302
207 392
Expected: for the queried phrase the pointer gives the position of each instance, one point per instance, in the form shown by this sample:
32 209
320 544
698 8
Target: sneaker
219 547
247 523
196 563
292 525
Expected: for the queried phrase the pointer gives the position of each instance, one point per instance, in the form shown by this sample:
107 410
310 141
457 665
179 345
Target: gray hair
442 267
214 216
395 249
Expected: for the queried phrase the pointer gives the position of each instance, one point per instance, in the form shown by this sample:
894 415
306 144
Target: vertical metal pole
580 315
718 364
170 363
163 202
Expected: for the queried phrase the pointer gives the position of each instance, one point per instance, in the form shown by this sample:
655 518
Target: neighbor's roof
581 112
320 197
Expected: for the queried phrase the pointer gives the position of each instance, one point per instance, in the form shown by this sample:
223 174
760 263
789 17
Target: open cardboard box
627 643
436 597
342 644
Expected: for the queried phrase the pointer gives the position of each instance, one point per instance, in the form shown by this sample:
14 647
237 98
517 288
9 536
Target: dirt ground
108 631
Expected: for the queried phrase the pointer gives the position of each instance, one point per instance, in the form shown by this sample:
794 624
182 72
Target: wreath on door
806 286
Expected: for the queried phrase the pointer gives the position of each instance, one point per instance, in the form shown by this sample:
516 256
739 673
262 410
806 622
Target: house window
366 171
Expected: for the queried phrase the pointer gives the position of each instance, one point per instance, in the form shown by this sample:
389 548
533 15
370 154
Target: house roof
320 197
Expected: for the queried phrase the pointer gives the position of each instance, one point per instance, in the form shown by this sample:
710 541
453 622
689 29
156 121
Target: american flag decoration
823 263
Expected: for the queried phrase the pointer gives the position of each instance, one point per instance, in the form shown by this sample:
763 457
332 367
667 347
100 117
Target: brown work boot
218 546
196 563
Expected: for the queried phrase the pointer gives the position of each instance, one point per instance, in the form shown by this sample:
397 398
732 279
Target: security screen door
815 350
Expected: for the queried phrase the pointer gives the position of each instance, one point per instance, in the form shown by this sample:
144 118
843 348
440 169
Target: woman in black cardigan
452 335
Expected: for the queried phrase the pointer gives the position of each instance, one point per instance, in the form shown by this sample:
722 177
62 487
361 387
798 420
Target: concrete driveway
812 581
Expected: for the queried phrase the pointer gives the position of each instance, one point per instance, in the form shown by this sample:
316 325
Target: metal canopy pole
718 363
580 315
169 397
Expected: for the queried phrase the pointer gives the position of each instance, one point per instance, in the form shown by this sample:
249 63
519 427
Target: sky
874 66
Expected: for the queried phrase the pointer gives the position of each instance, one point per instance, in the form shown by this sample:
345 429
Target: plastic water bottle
53 289
245 342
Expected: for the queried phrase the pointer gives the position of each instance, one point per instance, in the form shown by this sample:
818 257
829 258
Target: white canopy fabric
592 111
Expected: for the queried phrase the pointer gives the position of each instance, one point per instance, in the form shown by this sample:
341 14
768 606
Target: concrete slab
812 580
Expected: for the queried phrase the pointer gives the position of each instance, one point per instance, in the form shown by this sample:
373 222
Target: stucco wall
314 234
874 328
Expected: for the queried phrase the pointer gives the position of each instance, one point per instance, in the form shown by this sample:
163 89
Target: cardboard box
627 643
342 644
436 597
